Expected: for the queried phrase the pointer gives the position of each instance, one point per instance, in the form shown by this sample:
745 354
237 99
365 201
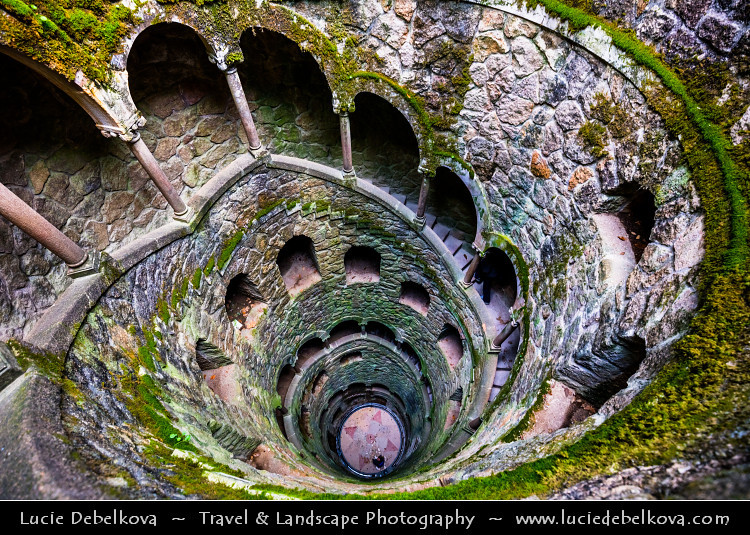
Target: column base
259 153
465 285
350 177
420 222
185 217
90 266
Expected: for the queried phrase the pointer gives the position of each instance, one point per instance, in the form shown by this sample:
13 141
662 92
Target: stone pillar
422 203
346 141
149 163
238 94
27 219
471 270
504 334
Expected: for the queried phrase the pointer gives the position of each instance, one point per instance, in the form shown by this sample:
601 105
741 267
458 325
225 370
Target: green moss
603 109
267 209
209 266
149 352
228 248
196 280
162 309
142 402
47 364
179 293
68 35
592 135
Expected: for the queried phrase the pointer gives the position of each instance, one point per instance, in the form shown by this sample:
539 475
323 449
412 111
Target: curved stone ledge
37 461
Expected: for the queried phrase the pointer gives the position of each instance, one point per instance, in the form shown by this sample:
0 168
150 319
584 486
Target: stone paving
368 433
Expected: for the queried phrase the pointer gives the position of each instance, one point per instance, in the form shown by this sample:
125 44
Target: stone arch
243 300
344 328
415 295
362 264
381 330
308 351
385 89
450 201
284 381
298 264
152 57
385 146
451 345
103 117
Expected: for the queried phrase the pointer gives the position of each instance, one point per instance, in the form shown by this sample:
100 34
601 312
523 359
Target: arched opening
290 97
411 355
308 351
452 214
298 265
50 157
454 407
385 149
354 356
285 380
243 301
345 328
218 370
381 331
185 100
496 281
210 357
362 264
415 296
638 219
450 344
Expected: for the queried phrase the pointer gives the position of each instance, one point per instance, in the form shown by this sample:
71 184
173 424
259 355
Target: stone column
149 163
504 334
471 270
27 219
238 94
346 141
422 203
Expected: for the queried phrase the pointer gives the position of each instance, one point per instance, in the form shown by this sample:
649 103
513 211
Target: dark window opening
411 355
385 149
244 302
345 328
279 413
170 59
298 265
498 283
285 380
286 82
638 219
415 296
362 264
450 345
381 331
350 357
210 357
454 215
308 351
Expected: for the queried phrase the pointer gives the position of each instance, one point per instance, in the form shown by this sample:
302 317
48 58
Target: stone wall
556 138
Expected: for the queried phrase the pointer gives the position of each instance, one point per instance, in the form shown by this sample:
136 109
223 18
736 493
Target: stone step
464 256
400 197
461 235
441 230
412 206
430 219
453 244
